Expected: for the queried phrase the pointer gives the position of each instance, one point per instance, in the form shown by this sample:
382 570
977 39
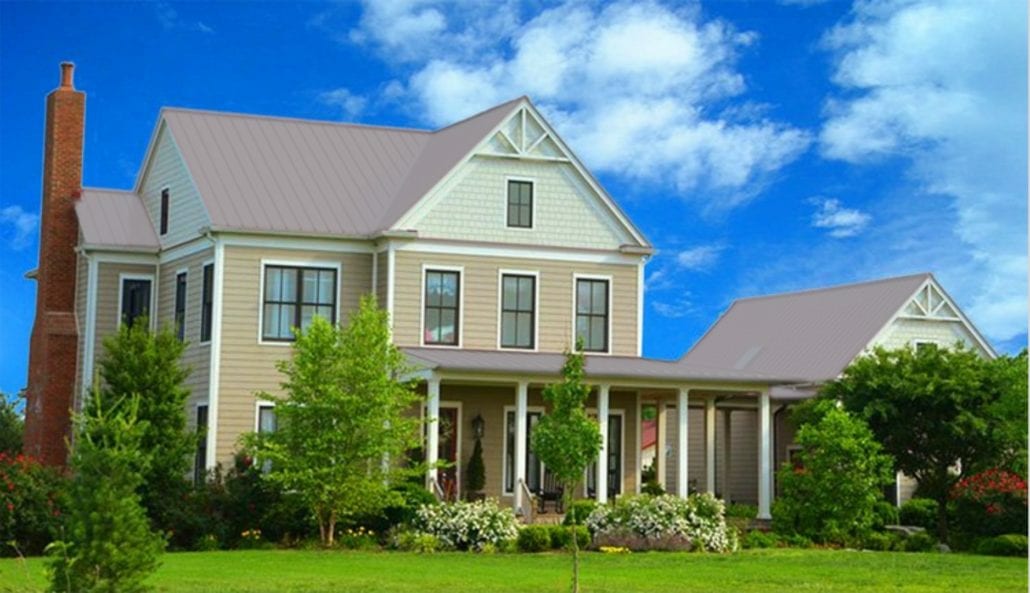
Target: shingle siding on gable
474 207
905 332
187 214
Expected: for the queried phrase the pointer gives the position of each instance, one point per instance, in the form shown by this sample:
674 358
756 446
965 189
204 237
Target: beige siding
480 305
187 213
108 290
248 366
566 211
197 355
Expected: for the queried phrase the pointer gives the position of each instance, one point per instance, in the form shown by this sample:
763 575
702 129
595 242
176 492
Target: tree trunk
942 517
332 529
575 543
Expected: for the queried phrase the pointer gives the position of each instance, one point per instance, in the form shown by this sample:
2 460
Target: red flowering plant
29 504
992 502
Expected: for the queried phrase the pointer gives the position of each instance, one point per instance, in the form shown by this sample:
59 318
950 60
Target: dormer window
520 204
164 211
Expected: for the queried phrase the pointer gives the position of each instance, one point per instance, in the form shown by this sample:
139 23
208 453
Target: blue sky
762 146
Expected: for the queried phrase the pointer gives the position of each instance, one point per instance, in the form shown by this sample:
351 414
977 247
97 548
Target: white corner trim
322 264
422 305
576 277
391 277
152 311
640 305
214 370
535 274
92 268
532 202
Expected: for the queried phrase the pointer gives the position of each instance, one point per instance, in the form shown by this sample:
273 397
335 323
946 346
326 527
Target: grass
809 571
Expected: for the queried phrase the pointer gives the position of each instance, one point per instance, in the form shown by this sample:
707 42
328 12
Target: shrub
475 472
760 539
990 503
1012 544
561 537
882 541
652 488
919 542
29 505
697 521
412 496
884 513
406 540
741 511
578 512
467 525
919 512
356 538
534 538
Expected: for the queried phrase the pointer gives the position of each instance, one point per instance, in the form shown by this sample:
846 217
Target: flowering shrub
663 522
29 504
992 502
356 538
467 525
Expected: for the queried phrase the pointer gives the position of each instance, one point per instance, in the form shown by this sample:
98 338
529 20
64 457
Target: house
488 242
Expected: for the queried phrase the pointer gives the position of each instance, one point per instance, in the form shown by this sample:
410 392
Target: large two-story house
488 242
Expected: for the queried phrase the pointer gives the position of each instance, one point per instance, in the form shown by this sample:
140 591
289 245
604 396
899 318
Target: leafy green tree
936 411
831 495
344 409
108 546
12 426
566 440
1007 415
137 361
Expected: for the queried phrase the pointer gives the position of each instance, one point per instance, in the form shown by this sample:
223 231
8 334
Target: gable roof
812 334
114 219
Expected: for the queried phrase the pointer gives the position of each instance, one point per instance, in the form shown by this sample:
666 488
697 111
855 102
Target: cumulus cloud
21 226
942 86
349 104
840 221
635 88
699 258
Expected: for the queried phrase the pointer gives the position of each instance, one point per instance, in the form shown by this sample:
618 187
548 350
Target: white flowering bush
467 525
663 522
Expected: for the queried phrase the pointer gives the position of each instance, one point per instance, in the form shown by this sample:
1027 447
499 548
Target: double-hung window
180 305
164 211
293 297
206 302
520 204
135 299
518 311
592 311
442 307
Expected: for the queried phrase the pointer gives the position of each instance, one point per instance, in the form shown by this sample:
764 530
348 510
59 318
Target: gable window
180 305
135 299
206 301
592 314
520 204
200 457
164 211
293 297
518 311
442 306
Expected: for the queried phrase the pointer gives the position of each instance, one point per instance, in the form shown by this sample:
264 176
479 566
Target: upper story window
135 299
442 307
180 305
592 313
164 211
518 311
520 204
206 302
293 297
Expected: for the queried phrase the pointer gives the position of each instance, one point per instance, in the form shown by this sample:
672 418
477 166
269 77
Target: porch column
727 453
682 457
710 445
660 436
601 482
432 428
521 403
764 452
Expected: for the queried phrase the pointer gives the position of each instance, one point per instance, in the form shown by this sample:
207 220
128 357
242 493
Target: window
592 314
200 458
518 311
135 299
534 468
164 211
520 204
180 305
266 423
614 454
206 300
924 345
441 320
293 296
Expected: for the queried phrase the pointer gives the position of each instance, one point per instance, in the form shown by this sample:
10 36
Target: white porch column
432 428
601 482
764 457
710 445
660 444
727 453
521 403
682 457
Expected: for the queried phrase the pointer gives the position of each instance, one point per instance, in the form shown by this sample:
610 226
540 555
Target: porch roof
597 366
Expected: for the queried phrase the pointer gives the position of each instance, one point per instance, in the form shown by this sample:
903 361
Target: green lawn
749 571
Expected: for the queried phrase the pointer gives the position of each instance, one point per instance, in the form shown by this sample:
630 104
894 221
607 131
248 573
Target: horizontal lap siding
247 366
197 355
108 307
480 315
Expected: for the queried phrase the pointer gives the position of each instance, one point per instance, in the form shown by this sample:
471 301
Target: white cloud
942 85
349 104
699 258
23 226
841 222
169 19
681 307
635 88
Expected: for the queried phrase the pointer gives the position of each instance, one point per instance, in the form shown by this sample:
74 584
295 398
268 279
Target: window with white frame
520 204
293 297
266 423
518 311
135 299
442 309
592 313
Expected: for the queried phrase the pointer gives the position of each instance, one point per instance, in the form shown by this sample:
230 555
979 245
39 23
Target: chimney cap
67 74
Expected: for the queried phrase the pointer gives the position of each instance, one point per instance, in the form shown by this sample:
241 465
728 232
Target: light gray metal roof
258 173
549 364
115 219
812 334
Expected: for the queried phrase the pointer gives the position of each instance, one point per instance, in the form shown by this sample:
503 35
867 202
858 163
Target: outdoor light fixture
477 426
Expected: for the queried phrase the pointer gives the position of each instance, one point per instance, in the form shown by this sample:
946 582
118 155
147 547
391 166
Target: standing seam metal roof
114 219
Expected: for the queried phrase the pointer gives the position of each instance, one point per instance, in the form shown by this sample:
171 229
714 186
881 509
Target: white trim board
152 311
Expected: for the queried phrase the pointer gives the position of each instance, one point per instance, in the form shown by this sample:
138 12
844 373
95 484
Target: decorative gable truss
930 303
524 136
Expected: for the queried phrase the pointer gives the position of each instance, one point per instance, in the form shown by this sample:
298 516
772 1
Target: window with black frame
518 311
441 317
180 305
135 299
592 314
206 302
293 297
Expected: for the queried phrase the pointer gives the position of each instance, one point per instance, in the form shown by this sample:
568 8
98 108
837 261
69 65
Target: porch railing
528 503
437 491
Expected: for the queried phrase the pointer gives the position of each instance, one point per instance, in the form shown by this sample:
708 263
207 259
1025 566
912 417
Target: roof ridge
289 119
832 288
483 112
109 190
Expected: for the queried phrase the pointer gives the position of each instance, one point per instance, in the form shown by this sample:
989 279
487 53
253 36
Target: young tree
108 545
933 409
137 361
11 426
566 440
344 409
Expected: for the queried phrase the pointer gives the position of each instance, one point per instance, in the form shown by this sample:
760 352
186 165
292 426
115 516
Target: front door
450 421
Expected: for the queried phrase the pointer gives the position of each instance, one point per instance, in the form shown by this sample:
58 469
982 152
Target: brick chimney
53 354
